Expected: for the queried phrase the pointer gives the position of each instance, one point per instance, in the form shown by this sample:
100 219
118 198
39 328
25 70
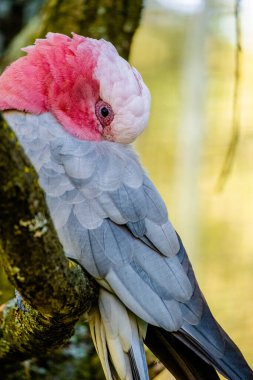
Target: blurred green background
186 55
185 162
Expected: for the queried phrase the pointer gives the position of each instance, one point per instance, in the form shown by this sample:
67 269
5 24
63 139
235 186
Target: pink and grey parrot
76 107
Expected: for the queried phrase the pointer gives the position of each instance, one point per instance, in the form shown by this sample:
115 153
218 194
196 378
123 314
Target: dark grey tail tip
185 363
180 360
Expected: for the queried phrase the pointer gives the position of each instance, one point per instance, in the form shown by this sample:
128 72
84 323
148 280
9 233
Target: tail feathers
177 357
204 335
195 351
231 364
117 336
225 357
98 336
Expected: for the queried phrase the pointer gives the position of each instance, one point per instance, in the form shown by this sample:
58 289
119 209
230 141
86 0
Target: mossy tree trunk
113 20
55 291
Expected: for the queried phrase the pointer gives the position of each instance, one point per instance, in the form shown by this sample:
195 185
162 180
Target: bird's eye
104 113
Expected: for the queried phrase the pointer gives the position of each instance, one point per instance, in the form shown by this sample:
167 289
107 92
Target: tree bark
55 290
115 21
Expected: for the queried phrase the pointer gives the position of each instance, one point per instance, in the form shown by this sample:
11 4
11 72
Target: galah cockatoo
76 107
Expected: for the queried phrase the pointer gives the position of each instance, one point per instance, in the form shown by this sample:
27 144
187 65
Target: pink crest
56 76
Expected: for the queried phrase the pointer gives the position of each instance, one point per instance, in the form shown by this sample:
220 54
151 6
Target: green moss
55 291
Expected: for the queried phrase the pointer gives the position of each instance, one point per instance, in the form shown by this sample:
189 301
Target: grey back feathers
111 219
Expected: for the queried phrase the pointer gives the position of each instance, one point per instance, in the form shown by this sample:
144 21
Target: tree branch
56 291
235 135
115 21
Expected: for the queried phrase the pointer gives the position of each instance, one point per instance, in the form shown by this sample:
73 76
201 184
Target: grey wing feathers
112 220
98 194
136 250
107 228
112 253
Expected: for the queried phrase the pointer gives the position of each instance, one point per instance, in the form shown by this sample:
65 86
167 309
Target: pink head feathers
92 92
